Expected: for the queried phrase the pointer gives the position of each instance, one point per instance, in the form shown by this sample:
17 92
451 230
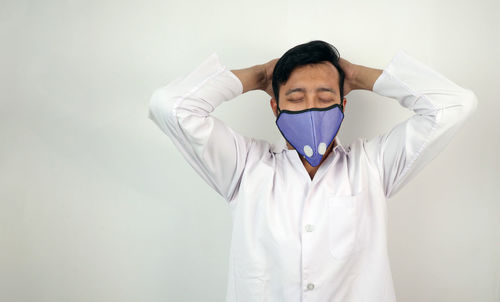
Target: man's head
306 76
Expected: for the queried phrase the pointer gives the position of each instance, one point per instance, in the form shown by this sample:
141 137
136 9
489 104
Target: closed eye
321 100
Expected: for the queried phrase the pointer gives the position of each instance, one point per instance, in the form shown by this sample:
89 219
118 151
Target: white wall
96 204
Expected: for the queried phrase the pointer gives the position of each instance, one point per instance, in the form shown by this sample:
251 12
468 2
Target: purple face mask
311 131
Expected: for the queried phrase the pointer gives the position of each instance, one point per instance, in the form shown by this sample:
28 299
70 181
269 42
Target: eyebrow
317 90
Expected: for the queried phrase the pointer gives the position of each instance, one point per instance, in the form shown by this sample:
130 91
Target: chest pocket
343 224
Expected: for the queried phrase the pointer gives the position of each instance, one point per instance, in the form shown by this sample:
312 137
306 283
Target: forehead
320 73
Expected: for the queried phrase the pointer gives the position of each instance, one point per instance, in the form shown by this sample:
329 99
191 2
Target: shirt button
310 286
309 227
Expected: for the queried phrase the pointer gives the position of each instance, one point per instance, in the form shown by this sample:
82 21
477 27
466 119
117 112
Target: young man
310 216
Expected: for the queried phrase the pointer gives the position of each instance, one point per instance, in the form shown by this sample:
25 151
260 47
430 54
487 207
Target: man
310 216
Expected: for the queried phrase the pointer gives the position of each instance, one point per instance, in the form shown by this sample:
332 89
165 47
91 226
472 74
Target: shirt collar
280 145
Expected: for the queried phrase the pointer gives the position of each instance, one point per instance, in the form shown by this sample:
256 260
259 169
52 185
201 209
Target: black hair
312 52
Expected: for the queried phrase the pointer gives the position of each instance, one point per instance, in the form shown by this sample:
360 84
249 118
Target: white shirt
297 239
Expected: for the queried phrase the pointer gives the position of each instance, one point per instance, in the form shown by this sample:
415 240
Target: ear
274 106
344 102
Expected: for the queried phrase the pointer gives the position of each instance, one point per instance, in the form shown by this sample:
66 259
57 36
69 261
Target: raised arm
440 108
182 110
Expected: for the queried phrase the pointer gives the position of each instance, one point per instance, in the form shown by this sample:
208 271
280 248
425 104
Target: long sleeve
440 107
182 110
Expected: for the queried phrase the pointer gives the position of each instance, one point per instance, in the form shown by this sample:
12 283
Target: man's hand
350 75
268 76
257 77
358 76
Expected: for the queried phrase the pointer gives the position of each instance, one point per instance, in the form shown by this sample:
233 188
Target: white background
96 204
